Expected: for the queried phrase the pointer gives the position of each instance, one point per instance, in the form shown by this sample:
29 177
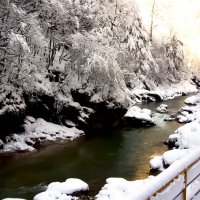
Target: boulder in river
162 108
64 190
138 117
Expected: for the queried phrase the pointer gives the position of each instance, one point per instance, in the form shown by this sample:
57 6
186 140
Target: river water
124 152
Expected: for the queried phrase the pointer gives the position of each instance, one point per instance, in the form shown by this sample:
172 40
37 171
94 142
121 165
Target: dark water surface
122 153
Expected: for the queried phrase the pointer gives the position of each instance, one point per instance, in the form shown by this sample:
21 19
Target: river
124 152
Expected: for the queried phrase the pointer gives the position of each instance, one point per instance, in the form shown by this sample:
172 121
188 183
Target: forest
70 68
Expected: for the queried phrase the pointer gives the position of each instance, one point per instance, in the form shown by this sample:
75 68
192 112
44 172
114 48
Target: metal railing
181 181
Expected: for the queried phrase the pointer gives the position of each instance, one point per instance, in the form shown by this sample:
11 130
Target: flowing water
124 152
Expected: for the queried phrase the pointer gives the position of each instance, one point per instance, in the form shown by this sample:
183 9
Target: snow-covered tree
100 48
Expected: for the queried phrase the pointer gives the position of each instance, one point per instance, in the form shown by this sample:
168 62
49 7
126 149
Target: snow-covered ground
119 188
186 138
165 92
36 132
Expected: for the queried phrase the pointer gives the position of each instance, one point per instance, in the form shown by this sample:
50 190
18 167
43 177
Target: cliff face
58 58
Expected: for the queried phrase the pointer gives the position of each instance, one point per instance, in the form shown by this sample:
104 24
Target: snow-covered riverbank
38 132
129 184
186 139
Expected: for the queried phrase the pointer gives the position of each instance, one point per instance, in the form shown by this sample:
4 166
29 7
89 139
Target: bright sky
180 17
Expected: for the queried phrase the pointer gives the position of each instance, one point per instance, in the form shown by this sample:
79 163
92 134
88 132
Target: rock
30 119
69 123
62 190
105 118
162 108
156 164
101 115
12 109
193 100
37 144
172 140
1 144
136 116
196 80
170 118
173 155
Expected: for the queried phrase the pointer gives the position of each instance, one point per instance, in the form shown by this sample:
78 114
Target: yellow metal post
185 185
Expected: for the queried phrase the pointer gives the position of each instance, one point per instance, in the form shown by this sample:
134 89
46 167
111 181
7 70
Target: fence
181 181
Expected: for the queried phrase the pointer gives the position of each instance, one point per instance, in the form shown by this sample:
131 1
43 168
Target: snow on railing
180 181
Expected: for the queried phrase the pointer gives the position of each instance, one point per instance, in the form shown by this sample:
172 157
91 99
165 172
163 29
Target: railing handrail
167 176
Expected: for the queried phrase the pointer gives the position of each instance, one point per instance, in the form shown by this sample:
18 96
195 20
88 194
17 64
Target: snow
193 100
19 145
52 195
162 108
144 115
188 135
63 190
186 117
166 92
169 157
13 199
187 139
170 173
1 142
173 155
38 130
157 163
188 114
21 40
70 186
70 123
119 188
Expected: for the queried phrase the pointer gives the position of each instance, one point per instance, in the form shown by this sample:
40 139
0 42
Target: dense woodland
59 57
